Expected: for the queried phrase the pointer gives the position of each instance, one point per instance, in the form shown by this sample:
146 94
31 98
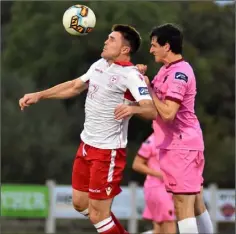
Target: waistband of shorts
94 147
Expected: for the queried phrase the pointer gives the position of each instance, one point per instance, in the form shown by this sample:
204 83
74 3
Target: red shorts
98 171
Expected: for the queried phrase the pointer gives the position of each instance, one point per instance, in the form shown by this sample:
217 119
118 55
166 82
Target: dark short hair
130 34
169 33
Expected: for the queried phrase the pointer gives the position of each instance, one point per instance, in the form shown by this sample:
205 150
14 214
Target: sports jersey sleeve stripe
174 99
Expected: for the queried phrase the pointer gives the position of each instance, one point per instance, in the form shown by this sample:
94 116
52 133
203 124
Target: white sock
188 226
204 223
85 212
104 225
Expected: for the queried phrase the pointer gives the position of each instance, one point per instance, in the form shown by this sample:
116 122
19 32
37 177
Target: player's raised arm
61 91
65 90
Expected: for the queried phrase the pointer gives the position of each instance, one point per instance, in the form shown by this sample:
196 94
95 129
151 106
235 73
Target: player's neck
119 59
172 58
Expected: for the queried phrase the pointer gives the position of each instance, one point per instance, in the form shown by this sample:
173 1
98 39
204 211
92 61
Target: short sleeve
177 86
137 86
146 149
85 77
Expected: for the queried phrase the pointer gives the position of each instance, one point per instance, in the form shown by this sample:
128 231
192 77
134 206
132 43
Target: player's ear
125 50
167 47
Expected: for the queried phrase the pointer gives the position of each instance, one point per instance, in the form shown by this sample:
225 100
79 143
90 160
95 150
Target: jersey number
92 90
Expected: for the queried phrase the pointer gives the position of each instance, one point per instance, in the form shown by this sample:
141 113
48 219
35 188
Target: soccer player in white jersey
113 83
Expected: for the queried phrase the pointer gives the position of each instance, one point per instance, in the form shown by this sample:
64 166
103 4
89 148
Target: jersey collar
177 61
123 63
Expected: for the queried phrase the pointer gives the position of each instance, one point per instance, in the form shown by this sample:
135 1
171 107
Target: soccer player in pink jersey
159 205
113 84
178 132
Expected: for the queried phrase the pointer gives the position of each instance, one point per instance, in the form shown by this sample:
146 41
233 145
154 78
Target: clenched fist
29 99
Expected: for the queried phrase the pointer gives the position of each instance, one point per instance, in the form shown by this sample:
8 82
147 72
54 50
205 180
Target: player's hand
122 111
159 175
142 68
29 99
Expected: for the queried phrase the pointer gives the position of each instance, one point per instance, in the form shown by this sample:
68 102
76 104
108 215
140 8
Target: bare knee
99 210
184 206
80 200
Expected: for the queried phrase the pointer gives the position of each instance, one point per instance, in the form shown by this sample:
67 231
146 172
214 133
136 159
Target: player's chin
104 55
157 59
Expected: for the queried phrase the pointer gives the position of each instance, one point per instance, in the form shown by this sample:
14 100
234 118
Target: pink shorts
182 170
159 205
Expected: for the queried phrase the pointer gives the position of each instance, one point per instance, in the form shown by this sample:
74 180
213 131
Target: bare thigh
184 206
199 205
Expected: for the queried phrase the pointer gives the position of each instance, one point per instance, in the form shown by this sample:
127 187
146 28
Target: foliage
37 53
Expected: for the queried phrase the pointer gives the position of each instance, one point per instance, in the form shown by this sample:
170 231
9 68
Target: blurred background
37 53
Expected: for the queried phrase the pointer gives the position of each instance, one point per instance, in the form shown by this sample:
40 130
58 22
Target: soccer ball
79 20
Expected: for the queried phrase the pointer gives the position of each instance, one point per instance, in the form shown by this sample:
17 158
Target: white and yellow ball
79 20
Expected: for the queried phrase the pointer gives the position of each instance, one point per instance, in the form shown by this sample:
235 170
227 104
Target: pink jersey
149 151
177 82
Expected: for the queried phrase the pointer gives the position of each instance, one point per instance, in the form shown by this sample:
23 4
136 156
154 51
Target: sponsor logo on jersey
95 190
143 90
108 190
98 70
181 76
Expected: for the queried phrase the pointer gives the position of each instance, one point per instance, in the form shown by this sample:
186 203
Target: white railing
55 202
128 205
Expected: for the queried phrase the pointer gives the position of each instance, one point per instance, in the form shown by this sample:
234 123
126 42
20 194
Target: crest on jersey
113 80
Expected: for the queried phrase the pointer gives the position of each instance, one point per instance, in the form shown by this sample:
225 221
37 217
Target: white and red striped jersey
109 86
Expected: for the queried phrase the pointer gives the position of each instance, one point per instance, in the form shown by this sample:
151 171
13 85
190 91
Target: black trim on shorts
183 193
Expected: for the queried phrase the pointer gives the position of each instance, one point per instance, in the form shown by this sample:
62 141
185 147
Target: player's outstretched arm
62 91
140 165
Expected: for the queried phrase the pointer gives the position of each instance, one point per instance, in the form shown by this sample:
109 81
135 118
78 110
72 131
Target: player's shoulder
182 71
129 73
134 73
99 62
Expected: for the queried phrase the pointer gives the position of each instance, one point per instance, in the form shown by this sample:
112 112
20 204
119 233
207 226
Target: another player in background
113 84
159 205
178 132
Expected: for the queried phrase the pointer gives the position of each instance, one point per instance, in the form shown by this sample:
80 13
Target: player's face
113 46
159 52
